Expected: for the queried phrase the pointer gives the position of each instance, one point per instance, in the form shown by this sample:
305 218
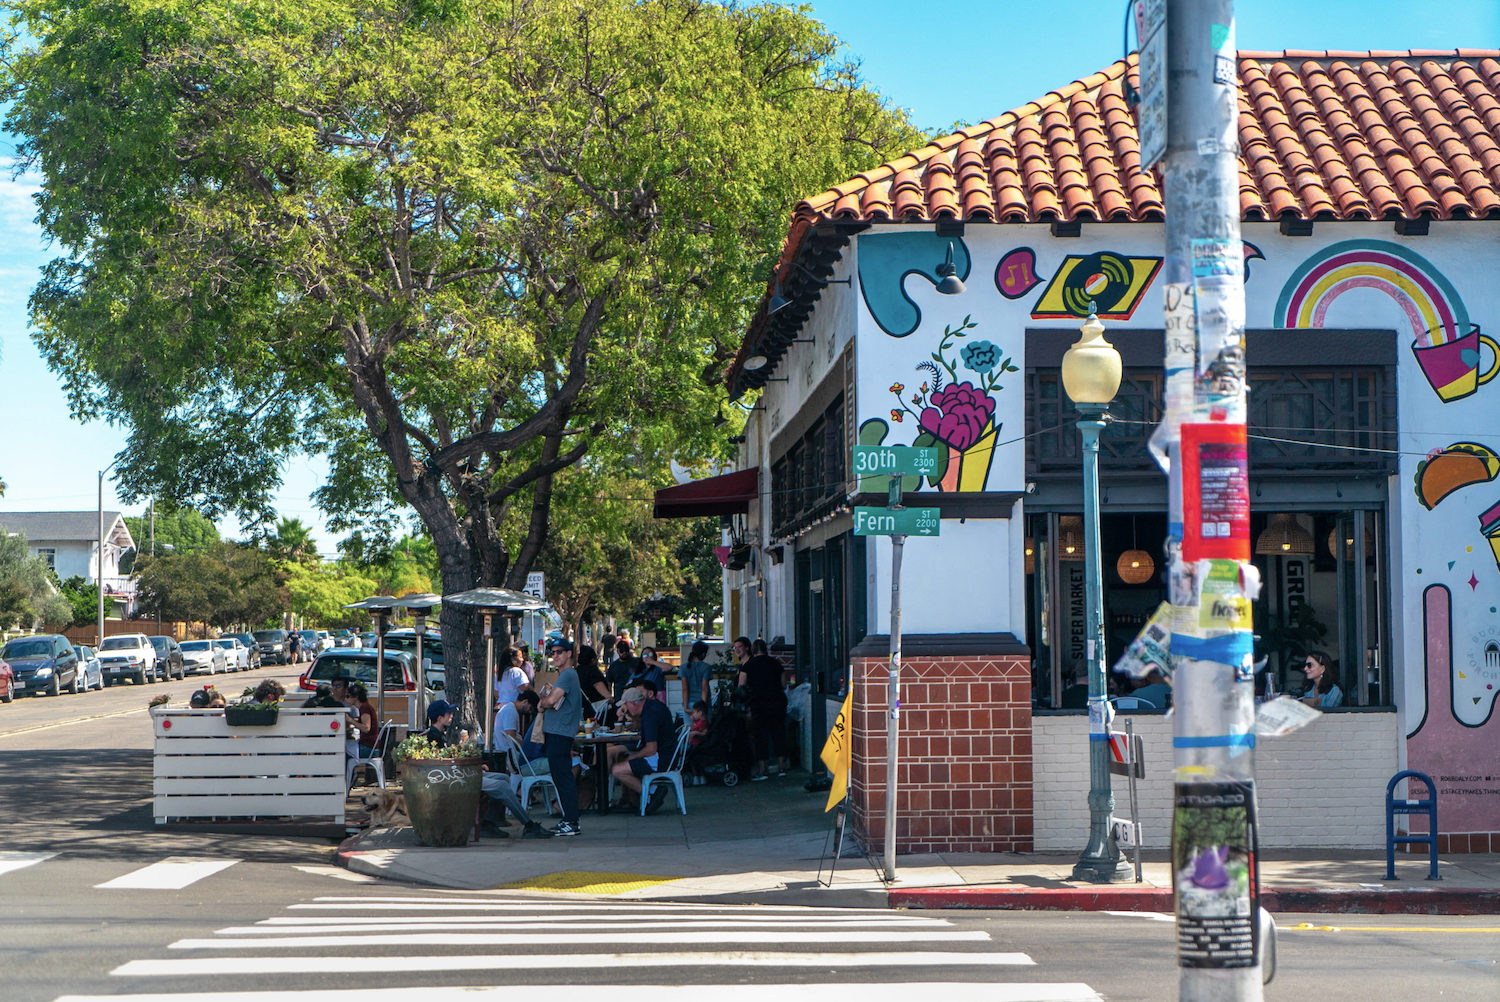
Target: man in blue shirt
653 753
562 706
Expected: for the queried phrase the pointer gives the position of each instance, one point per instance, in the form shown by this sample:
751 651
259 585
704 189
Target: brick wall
964 779
1322 786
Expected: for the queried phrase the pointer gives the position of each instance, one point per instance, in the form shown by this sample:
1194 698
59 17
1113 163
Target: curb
1398 901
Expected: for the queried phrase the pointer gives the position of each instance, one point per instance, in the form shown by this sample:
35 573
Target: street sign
1127 754
897 521
536 585
1151 35
1126 833
894 460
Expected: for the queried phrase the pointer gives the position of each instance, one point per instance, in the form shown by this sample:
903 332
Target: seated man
495 785
653 752
508 725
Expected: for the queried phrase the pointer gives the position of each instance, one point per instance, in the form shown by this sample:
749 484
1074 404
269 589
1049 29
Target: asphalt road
99 901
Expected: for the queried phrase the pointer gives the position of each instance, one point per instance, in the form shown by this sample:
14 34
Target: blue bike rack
1394 807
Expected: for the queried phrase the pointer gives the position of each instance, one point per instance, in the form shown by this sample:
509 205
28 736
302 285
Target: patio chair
519 762
672 774
376 760
1133 703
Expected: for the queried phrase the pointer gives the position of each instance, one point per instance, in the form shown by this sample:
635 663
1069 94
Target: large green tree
29 597
228 584
453 246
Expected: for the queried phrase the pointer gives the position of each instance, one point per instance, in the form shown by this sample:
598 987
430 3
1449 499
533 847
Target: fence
203 768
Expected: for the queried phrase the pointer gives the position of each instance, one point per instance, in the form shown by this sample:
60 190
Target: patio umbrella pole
489 682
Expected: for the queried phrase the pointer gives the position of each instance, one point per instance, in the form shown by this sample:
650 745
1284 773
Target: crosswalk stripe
16 860
337 873
170 874
735 936
505 962
889 992
521 925
483 904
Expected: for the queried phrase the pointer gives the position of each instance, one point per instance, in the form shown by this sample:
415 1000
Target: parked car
236 654
90 669
359 666
434 670
203 655
272 646
169 658
311 646
128 656
345 638
44 663
366 641
325 641
7 683
252 649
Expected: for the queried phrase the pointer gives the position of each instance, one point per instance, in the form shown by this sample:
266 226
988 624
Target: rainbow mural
1431 304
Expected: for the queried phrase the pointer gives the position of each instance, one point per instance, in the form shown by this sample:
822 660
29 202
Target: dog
387 808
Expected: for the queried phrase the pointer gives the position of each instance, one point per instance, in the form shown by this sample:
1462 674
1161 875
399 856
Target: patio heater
379 607
420 607
489 603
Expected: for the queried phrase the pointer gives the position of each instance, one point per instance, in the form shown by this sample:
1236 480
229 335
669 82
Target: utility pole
1211 582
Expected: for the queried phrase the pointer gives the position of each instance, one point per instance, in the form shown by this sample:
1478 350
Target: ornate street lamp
1091 376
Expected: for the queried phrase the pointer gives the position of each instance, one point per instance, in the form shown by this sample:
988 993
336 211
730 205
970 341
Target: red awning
729 494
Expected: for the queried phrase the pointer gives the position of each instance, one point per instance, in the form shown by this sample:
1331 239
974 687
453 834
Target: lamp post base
1103 870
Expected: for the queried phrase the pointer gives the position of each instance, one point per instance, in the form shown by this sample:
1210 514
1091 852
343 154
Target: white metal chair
671 774
519 762
376 761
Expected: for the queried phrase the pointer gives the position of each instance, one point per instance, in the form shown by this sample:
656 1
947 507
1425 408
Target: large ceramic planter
442 798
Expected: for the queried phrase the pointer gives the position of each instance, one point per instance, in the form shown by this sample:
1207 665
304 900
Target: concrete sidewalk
767 843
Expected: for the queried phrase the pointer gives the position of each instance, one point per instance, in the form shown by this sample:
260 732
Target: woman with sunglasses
1322 692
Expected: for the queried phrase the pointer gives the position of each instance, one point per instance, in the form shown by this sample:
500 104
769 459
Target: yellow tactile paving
586 882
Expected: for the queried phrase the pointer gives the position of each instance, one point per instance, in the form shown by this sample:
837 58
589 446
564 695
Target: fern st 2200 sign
897 521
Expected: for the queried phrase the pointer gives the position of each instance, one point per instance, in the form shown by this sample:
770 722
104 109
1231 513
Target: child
698 714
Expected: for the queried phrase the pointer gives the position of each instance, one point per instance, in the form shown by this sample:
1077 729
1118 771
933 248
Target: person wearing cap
439 717
653 751
562 706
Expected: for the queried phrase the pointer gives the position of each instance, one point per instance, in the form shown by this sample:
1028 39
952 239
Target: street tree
181 528
83 598
29 597
227 584
451 246
319 593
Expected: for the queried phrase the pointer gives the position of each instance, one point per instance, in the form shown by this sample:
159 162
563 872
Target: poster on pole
1214 875
1215 492
1151 36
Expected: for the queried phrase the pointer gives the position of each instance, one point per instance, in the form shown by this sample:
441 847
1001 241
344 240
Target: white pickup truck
128 655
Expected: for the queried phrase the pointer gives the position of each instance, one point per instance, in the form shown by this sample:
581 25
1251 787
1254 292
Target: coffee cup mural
1452 364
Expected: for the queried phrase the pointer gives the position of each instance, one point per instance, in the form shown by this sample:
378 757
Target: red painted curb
1397 901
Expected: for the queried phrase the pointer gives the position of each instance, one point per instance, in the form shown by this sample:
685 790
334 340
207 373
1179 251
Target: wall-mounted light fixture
949 284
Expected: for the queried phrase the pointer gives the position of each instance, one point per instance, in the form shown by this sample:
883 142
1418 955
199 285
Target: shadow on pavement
99 803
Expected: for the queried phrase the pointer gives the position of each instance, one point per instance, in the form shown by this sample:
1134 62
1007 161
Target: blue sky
961 60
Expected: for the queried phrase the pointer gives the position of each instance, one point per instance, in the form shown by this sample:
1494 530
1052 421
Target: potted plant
257 707
441 785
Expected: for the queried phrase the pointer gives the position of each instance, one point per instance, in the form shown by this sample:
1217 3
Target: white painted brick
1326 781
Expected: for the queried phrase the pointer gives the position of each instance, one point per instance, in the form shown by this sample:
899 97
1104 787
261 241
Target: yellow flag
835 753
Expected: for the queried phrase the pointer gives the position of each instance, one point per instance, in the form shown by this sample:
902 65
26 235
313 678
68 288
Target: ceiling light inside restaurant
1070 537
1135 567
1284 537
1030 555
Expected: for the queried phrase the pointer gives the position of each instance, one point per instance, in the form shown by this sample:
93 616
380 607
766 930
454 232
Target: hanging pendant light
1333 544
1284 537
1070 537
1030 555
1135 566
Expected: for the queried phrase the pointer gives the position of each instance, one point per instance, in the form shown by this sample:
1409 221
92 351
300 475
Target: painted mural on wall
887 260
1451 700
1114 283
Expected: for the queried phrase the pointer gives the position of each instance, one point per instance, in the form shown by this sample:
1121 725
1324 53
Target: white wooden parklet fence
203 768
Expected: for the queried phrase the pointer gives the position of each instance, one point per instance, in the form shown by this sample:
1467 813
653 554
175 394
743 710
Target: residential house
69 542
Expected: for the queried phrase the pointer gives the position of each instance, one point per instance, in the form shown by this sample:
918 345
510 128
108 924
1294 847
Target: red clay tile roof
1323 136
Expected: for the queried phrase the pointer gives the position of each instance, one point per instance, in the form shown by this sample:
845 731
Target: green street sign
894 460
893 521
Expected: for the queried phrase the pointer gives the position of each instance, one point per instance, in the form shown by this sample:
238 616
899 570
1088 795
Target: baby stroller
724 751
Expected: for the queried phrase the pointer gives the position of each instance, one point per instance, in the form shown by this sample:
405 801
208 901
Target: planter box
204 768
251 716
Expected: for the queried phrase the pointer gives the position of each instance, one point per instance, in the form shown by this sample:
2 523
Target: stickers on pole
1180 344
1214 875
1219 310
1151 650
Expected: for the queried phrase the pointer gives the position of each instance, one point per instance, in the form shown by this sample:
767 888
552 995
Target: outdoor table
601 768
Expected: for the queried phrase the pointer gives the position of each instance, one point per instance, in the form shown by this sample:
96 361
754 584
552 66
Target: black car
168 658
45 663
272 646
248 639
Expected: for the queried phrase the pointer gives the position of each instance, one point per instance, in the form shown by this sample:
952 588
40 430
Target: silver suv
129 655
